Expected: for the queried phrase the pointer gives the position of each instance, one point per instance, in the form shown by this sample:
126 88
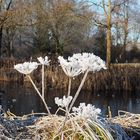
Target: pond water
22 99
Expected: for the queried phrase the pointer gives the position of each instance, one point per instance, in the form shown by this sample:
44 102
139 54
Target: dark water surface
22 99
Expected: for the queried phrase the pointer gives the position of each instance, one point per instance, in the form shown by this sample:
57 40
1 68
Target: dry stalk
78 91
129 121
69 86
43 81
43 100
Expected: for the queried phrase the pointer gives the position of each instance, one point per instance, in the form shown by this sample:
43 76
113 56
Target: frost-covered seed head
71 68
63 102
86 111
80 63
43 61
26 67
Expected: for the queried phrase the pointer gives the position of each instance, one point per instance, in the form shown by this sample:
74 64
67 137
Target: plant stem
43 78
69 87
66 117
78 91
46 106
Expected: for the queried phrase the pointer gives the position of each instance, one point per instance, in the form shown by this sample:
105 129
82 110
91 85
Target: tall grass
117 77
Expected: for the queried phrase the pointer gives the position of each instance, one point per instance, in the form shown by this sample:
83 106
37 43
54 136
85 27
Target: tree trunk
125 30
10 49
1 29
2 24
108 49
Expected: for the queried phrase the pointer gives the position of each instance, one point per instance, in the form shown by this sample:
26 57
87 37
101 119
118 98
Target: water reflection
22 99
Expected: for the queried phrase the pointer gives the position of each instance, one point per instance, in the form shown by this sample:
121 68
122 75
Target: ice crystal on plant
81 62
86 111
26 67
63 102
89 61
71 68
43 61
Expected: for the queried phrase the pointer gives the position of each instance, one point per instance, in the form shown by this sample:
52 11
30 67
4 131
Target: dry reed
116 78
75 128
129 121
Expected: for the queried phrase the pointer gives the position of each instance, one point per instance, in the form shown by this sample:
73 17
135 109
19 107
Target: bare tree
4 15
64 23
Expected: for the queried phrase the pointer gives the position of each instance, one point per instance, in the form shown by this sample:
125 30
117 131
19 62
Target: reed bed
116 78
119 77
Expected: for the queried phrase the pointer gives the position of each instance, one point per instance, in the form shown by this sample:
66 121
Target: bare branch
118 5
105 12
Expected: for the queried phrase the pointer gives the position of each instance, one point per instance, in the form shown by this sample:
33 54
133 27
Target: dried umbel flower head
26 67
44 61
71 68
80 63
87 111
63 102
89 61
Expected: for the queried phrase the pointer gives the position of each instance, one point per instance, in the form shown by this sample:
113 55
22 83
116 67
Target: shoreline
14 127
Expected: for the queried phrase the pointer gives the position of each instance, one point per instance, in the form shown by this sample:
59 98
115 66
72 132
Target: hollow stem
43 81
43 100
69 87
66 117
78 91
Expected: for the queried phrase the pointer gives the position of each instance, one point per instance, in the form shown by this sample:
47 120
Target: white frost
63 102
87 111
26 67
43 61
